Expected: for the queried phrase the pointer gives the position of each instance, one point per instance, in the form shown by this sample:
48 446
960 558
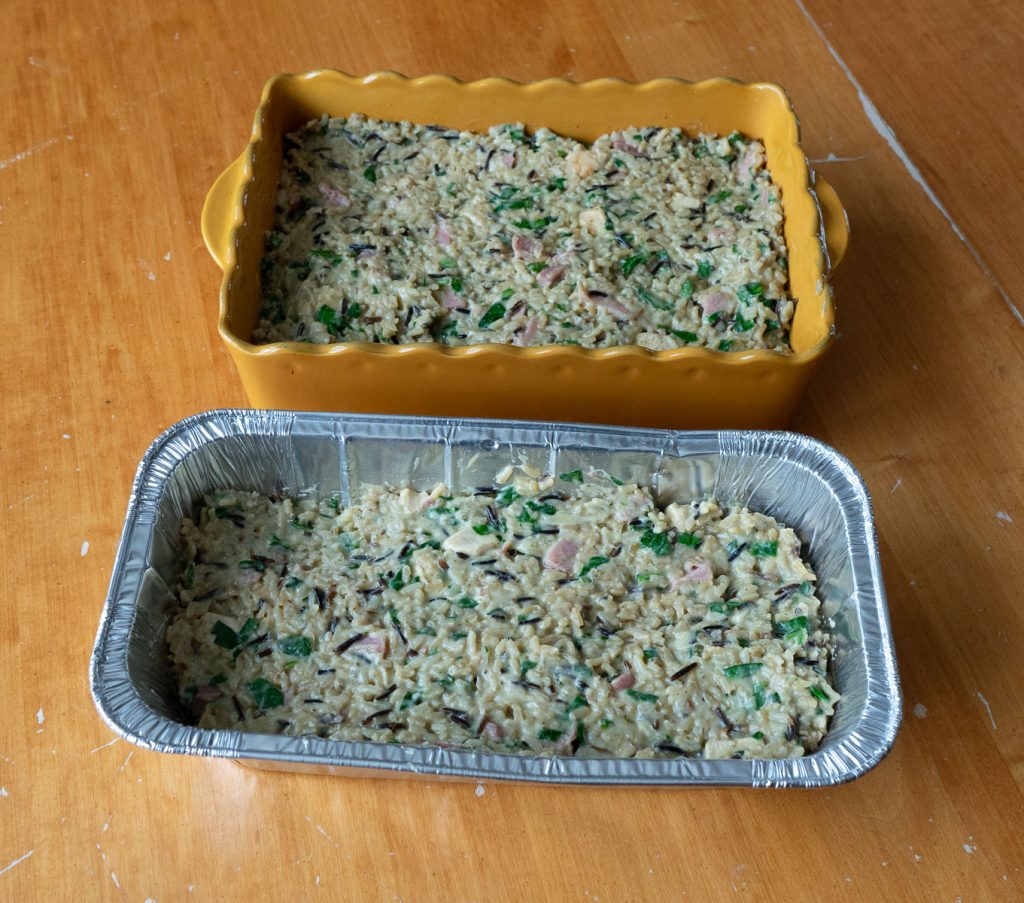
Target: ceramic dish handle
833 216
219 211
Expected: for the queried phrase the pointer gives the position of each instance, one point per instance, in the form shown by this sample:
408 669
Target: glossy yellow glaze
681 388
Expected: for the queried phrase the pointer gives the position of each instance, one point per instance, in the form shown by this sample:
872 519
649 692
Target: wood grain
945 79
117 122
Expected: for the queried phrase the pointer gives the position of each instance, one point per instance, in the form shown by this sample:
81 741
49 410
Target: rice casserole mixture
394 232
541 616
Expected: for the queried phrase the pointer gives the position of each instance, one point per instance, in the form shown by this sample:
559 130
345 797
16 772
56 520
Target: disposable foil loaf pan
678 388
797 480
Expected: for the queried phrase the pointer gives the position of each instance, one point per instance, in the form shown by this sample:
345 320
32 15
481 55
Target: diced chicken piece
561 555
681 202
581 163
525 248
493 731
550 276
468 542
593 220
636 503
655 341
414 501
336 199
623 682
681 517
425 567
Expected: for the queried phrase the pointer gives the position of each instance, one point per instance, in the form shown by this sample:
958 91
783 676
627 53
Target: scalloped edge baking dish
680 388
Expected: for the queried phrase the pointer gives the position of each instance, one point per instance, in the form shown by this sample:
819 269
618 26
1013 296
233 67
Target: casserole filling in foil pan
534 616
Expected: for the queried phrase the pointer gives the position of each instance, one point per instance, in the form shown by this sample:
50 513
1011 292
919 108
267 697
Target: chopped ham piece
610 304
613 306
247 579
525 247
624 681
697 570
450 299
373 642
207 693
334 198
441 234
561 555
749 162
713 302
623 145
530 333
492 731
509 160
550 276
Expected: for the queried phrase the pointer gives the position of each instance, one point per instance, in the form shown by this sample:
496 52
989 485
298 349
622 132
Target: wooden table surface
116 120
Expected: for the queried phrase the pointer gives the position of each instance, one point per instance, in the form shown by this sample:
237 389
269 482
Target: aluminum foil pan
797 480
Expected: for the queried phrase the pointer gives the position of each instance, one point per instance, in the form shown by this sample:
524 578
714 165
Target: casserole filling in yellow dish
537 616
394 232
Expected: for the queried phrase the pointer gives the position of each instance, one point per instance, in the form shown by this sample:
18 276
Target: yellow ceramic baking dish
680 388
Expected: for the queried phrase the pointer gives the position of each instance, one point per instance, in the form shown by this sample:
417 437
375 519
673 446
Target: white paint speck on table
85 548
